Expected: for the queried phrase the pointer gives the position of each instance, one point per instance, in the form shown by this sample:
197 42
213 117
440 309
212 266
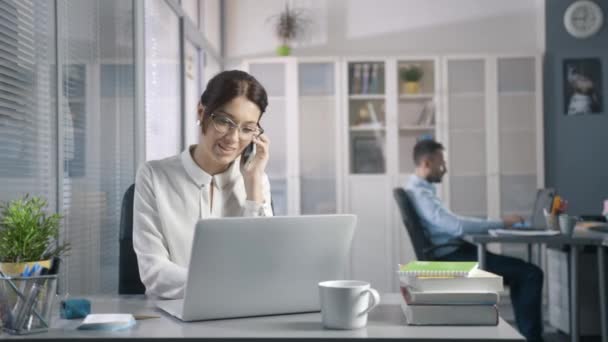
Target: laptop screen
544 197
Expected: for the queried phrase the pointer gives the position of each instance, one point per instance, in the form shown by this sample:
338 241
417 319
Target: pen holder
552 221
26 303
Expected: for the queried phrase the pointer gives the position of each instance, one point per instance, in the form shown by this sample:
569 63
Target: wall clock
583 18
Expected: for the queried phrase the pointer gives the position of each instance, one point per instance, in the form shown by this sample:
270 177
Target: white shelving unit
495 142
301 122
338 149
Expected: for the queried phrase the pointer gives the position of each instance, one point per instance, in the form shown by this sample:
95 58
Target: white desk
385 322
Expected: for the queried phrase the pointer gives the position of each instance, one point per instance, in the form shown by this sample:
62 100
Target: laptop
254 266
536 221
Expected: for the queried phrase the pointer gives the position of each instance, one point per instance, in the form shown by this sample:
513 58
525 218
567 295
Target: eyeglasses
224 124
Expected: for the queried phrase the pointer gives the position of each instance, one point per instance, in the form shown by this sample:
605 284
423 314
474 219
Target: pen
144 316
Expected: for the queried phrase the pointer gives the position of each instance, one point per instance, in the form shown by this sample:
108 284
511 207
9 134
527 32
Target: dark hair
226 86
424 148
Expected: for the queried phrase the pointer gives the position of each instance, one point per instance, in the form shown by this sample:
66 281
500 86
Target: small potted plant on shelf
410 78
28 235
289 25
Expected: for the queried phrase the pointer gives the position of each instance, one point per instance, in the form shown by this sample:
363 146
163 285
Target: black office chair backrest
128 270
412 223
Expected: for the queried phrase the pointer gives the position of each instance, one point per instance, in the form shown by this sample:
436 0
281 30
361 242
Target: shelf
367 97
365 128
425 96
471 94
417 128
366 175
317 97
516 93
468 130
518 174
469 174
518 130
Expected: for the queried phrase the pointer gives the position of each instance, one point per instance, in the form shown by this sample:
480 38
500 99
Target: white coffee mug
345 303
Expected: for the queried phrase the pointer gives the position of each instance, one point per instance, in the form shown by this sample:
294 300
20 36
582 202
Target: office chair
128 270
422 245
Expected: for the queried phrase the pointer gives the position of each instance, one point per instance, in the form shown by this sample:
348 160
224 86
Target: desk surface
386 321
582 236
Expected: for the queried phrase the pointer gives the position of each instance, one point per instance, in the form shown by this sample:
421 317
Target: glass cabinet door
367 117
274 122
416 108
517 137
317 131
466 151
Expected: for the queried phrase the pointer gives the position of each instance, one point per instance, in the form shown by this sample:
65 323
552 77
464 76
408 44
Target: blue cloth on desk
523 225
75 308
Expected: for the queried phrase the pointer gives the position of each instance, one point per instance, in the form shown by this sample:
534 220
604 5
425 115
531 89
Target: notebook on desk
252 266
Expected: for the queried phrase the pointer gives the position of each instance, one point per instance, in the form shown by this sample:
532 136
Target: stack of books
449 293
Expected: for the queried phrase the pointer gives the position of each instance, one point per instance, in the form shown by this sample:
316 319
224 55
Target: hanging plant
289 25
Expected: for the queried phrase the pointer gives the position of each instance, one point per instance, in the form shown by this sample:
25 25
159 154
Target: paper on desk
516 232
107 322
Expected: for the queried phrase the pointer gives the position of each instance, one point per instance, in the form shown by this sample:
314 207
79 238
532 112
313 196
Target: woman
206 180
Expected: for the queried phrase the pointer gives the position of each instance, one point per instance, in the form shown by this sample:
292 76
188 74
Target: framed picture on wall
368 155
582 86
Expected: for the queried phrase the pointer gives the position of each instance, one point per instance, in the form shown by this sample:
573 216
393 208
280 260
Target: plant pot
14 269
410 87
283 50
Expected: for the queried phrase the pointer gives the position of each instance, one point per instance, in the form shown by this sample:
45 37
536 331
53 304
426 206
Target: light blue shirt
440 223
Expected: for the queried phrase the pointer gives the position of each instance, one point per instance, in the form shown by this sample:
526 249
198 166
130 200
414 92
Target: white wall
360 27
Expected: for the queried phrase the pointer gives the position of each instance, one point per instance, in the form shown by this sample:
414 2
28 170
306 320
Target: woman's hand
253 172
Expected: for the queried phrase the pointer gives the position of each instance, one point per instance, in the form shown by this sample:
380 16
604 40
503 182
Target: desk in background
385 322
582 237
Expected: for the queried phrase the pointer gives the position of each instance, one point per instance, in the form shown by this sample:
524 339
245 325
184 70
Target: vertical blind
27 107
96 41
163 101
95 117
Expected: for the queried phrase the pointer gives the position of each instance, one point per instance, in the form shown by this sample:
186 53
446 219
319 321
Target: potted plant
289 25
28 235
410 78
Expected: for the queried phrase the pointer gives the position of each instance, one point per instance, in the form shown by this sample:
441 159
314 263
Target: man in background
441 225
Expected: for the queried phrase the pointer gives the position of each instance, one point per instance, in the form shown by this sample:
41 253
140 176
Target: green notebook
438 268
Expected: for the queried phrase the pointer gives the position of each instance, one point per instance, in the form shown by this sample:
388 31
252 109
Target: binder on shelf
356 80
373 82
365 79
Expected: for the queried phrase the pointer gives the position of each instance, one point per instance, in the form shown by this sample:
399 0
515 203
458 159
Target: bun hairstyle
228 85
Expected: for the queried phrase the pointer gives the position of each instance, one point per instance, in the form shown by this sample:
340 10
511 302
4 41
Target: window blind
162 89
27 93
98 136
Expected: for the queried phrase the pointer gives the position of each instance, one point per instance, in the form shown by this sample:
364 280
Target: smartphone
248 154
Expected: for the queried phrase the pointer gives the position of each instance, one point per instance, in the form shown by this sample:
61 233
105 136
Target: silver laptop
544 198
256 266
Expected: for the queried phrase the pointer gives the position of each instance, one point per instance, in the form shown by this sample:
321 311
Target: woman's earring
198 122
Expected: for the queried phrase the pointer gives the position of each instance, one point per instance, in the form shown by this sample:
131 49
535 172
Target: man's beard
434 178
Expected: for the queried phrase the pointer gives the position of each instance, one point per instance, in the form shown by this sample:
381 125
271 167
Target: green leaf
27 232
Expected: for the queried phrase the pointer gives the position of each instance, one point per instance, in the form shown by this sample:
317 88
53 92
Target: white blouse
171 195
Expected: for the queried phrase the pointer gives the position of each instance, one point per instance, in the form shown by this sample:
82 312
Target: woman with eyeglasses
209 179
